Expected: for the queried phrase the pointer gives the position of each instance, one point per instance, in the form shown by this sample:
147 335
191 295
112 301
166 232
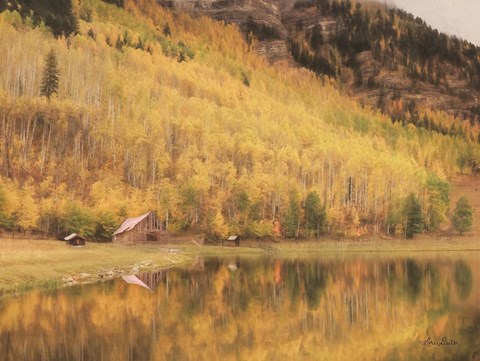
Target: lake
326 307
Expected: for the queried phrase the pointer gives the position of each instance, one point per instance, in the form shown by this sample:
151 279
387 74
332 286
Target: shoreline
47 264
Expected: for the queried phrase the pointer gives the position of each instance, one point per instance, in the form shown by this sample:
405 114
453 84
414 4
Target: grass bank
26 264
423 243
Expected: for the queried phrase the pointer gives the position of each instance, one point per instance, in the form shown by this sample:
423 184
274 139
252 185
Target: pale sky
454 17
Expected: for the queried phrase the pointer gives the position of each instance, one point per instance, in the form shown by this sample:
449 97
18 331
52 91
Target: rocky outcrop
262 18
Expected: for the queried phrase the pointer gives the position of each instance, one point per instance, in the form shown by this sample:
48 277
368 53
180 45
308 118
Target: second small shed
75 240
235 239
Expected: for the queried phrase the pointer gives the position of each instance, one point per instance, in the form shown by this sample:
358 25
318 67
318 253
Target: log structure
145 228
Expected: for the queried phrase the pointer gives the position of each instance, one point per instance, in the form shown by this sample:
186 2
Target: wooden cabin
74 240
145 228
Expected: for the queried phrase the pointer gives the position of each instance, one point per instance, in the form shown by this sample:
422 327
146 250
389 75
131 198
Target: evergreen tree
413 216
50 75
119 43
316 37
166 30
381 103
181 56
91 33
438 201
462 216
314 214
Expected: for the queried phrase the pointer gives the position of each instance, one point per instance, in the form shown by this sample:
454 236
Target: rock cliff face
262 18
284 31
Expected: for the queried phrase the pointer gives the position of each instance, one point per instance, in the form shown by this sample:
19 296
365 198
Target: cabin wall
137 236
132 236
76 242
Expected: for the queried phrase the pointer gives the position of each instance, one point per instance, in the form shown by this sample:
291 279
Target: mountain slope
193 124
385 58
58 15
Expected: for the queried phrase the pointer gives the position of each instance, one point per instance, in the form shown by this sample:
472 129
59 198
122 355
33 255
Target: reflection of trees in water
306 278
463 279
414 279
58 326
280 308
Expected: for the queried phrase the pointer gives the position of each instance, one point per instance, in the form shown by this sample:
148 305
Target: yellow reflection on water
257 309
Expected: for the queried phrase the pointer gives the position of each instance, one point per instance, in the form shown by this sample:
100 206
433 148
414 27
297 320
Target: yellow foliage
133 129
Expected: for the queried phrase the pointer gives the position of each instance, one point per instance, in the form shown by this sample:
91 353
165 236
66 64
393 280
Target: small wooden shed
74 240
234 239
145 228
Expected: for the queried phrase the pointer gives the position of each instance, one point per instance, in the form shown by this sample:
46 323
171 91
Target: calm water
325 308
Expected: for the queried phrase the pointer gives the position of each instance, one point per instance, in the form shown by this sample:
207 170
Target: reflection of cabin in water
145 228
152 279
148 280
74 240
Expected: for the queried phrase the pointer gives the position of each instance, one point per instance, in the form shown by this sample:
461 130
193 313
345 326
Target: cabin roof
129 223
72 236
233 238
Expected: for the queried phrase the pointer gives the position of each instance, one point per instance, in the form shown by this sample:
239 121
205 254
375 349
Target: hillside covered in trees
141 108
390 59
384 57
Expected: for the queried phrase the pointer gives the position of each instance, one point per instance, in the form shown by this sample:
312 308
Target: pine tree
438 201
50 76
166 30
462 216
181 56
413 216
314 214
292 217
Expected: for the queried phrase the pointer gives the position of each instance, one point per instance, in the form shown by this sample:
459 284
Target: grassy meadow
26 264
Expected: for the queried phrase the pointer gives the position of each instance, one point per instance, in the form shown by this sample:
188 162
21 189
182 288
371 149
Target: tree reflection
414 279
267 308
463 279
